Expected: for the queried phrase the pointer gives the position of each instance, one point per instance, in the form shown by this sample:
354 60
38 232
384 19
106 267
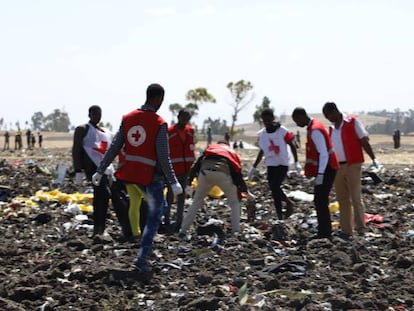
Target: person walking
18 140
143 136
274 140
349 139
321 163
209 135
219 166
227 138
181 145
396 137
90 143
33 140
29 138
6 140
39 139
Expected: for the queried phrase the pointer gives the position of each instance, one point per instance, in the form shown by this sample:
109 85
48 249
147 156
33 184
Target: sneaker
183 236
289 208
289 211
142 266
345 236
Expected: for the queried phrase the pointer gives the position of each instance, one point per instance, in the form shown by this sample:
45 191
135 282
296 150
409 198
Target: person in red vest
219 166
349 139
144 138
321 163
181 144
274 140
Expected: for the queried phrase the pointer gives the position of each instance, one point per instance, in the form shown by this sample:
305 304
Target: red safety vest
312 155
121 162
181 151
140 131
350 141
224 150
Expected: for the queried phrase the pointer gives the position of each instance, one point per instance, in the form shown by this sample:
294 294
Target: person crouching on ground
218 166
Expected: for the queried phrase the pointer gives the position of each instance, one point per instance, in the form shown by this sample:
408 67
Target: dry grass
381 144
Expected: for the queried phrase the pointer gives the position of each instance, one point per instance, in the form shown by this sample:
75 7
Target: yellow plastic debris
215 191
335 224
334 207
25 201
85 208
56 195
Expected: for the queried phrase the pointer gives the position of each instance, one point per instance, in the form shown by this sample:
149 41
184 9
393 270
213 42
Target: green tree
218 126
408 124
175 108
57 121
242 96
398 116
196 97
257 114
38 120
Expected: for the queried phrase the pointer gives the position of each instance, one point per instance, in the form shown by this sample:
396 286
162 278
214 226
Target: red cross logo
273 147
103 145
136 135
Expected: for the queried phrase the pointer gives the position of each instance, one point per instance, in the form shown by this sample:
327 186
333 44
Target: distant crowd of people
18 139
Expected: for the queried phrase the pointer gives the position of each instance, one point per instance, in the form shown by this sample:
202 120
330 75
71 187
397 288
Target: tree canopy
242 96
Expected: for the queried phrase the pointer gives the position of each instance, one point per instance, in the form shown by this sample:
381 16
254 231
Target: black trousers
275 177
321 201
120 201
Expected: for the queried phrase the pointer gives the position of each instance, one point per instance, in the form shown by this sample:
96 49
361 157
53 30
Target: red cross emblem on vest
273 147
136 135
103 145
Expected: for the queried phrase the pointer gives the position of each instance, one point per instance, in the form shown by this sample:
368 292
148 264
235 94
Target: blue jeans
156 208
182 179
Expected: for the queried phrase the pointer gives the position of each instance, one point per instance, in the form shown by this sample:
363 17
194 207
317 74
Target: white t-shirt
274 146
336 137
96 143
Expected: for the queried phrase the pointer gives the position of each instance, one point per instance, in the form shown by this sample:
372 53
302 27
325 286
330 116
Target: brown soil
49 261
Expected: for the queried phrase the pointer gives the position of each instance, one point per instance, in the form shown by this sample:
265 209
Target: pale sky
69 55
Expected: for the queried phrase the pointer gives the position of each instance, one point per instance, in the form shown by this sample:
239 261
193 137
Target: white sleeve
360 130
320 144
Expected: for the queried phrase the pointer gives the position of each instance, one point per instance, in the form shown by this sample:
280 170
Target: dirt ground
49 261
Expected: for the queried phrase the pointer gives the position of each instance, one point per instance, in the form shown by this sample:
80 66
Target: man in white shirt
349 139
274 140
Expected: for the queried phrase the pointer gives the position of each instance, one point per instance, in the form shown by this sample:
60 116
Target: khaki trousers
348 193
206 180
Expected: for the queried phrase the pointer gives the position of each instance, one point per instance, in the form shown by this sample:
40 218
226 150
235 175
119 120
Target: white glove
253 171
79 178
319 180
96 179
298 168
376 163
250 196
176 188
